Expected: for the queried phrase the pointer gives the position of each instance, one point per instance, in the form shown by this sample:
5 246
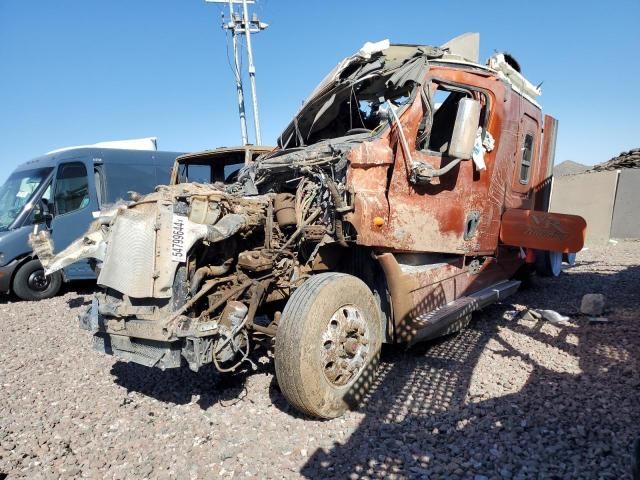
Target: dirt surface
506 398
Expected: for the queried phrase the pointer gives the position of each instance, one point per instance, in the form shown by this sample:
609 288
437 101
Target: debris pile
592 307
630 159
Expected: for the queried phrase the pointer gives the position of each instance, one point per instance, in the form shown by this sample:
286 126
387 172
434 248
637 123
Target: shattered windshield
17 191
356 97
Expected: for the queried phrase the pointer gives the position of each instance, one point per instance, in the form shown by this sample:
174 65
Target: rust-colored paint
555 232
432 218
393 215
417 291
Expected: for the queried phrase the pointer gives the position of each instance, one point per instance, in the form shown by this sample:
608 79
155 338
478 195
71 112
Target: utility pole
252 71
241 24
237 74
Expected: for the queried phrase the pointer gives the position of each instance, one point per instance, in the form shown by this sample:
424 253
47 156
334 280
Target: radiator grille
130 258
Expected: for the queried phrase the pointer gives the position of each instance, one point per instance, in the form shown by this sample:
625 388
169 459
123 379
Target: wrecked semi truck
404 195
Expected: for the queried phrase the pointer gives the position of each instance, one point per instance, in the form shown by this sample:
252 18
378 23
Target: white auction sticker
178 240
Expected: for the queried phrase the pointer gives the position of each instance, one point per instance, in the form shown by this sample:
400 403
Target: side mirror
465 129
45 218
41 214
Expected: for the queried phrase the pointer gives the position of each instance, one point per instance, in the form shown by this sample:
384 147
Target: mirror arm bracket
423 173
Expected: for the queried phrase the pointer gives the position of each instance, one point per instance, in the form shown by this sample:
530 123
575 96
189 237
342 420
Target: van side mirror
41 214
465 129
39 217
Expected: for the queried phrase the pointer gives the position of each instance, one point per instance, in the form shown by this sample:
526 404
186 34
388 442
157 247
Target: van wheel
328 344
30 282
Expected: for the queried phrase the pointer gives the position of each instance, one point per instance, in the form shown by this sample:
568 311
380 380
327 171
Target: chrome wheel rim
344 346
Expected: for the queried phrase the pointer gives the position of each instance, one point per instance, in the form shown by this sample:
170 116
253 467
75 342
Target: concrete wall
626 212
590 195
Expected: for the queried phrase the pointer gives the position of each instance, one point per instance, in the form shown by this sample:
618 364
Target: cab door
74 198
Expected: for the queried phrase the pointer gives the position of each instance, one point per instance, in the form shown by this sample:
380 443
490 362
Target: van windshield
17 191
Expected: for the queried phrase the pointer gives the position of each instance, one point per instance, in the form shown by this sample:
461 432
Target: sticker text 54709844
178 233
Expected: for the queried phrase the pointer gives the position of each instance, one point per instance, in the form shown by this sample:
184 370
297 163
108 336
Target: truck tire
328 344
548 264
569 259
30 282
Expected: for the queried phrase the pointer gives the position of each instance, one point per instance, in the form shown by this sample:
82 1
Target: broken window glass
436 129
354 110
356 100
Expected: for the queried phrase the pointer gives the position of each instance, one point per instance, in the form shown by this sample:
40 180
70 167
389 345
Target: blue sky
81 71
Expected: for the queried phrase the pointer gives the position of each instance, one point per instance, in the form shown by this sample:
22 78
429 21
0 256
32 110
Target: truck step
457 314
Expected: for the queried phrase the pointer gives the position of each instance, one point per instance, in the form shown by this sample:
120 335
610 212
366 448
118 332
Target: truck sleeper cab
60 191
400 199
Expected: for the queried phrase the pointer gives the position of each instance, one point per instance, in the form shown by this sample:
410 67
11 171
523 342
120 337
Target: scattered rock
592 304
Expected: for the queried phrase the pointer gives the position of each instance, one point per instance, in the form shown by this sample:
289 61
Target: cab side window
444 119
72 188
525 162
436 128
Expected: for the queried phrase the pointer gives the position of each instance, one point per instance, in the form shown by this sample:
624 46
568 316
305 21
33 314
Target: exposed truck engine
404 195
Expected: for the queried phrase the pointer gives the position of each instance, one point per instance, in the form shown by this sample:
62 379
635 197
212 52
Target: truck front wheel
328 344
30 282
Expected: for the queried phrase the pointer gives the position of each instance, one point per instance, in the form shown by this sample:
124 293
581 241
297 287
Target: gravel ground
506 398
